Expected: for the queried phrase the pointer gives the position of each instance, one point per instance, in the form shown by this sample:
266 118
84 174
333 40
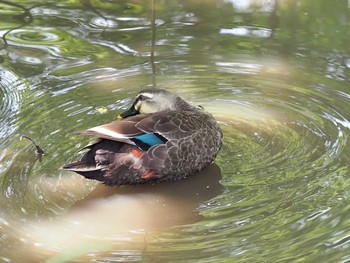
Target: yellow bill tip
119 117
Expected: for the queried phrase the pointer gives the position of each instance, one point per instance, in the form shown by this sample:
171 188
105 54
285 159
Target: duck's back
194 139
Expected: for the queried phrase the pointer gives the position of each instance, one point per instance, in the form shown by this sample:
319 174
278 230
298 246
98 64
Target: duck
161 137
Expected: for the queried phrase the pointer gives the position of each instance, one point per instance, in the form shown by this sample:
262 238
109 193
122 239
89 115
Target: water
274 73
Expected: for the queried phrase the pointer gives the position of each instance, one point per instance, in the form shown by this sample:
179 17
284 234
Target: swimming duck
161 137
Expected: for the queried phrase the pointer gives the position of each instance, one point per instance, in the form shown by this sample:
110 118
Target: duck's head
154 100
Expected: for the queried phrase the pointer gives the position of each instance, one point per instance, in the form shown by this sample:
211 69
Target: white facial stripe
146 108
107 132
137 106
148 95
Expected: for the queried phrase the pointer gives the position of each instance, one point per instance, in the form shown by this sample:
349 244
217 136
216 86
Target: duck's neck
182 105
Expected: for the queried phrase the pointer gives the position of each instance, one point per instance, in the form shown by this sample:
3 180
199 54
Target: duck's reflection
108 215
148 206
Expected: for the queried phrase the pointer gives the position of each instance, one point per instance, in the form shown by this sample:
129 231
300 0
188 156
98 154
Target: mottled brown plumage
161 137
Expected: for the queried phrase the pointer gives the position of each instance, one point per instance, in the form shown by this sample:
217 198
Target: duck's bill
130 112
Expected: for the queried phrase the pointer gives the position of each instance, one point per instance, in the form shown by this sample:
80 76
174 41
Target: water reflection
274 73
11 89
122 214
247 32
246 5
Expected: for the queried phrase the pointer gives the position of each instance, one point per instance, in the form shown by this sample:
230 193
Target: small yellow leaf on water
102 110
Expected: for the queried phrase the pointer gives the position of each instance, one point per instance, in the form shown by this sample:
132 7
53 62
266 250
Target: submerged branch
39 151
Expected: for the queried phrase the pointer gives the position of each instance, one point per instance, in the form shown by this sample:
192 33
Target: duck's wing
149 130
120 130
192 137
127 131
171 125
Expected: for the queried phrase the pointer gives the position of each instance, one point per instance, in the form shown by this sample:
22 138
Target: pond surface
274 73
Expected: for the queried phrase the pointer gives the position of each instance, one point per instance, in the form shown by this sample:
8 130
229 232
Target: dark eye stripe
142 97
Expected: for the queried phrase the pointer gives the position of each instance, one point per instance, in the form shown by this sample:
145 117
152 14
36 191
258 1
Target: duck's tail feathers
90 172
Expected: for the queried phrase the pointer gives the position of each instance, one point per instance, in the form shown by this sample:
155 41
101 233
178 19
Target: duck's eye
142 97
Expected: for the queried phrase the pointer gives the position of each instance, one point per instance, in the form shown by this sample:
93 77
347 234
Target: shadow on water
108 218
163 205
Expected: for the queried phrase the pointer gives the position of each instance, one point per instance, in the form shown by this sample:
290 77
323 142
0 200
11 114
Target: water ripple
285 151
36 36
10 94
